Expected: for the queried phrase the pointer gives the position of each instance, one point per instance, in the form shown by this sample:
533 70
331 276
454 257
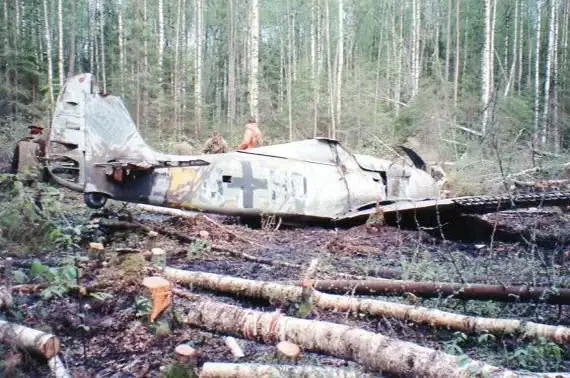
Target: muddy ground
110 336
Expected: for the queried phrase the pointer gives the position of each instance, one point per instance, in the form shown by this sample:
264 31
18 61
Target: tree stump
161 294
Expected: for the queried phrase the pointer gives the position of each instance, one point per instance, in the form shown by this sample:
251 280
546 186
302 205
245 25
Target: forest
479 88
451 75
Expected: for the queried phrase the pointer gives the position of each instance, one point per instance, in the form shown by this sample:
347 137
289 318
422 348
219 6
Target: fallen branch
420 315
188 215
375 351
29 338
236 350
227 370
427 289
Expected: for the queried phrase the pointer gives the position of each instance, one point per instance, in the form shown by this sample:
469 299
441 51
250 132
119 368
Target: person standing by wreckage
252 136
27 154
215 144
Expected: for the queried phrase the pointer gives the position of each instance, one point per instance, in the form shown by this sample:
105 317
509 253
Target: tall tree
254 63
60 41
49 52
487 64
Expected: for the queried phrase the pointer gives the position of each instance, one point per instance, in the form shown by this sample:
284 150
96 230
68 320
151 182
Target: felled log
373 350
428 289
227 370
420 315
29 338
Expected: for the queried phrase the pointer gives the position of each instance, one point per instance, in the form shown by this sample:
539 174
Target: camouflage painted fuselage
314 178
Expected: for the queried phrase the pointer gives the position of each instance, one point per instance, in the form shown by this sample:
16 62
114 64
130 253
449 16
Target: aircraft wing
430 212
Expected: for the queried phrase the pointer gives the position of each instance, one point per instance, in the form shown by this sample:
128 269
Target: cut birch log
165 210
29 338
288 350
58 368
186 355
6 300
158 257
234 347
429 289
374 351
420 315
227 370
161 295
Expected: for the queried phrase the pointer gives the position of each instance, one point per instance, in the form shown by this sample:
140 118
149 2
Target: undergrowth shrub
31 215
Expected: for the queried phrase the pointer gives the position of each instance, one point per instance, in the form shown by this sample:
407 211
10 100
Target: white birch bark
332 129
339 65
486 67
102 42
60 42
548 74
121 41
49 52
537 72
254 73
198 68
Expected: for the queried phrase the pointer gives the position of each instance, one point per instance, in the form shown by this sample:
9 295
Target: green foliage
198 248
177 370
455 345
538 355
61 279
143 306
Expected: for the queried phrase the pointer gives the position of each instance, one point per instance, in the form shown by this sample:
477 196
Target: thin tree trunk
457 59
340 55
231 69
176 73
91 21
121 40
416 55
290 69
512 71
198 69
160 64
102 26
254 73
555 126
486 66
49 52
521 49
447 41
332 129
6 27
314 65
537 73
60 42
72 40
548 74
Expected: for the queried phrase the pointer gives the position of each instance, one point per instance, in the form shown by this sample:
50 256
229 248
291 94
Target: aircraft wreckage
94 147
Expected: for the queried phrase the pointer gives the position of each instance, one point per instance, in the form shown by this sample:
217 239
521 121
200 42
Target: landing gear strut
95 200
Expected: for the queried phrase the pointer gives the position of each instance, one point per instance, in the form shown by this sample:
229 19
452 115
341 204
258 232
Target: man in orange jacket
252 136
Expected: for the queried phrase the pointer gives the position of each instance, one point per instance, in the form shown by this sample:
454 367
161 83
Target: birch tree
60 41
486 66
49 52
254 73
